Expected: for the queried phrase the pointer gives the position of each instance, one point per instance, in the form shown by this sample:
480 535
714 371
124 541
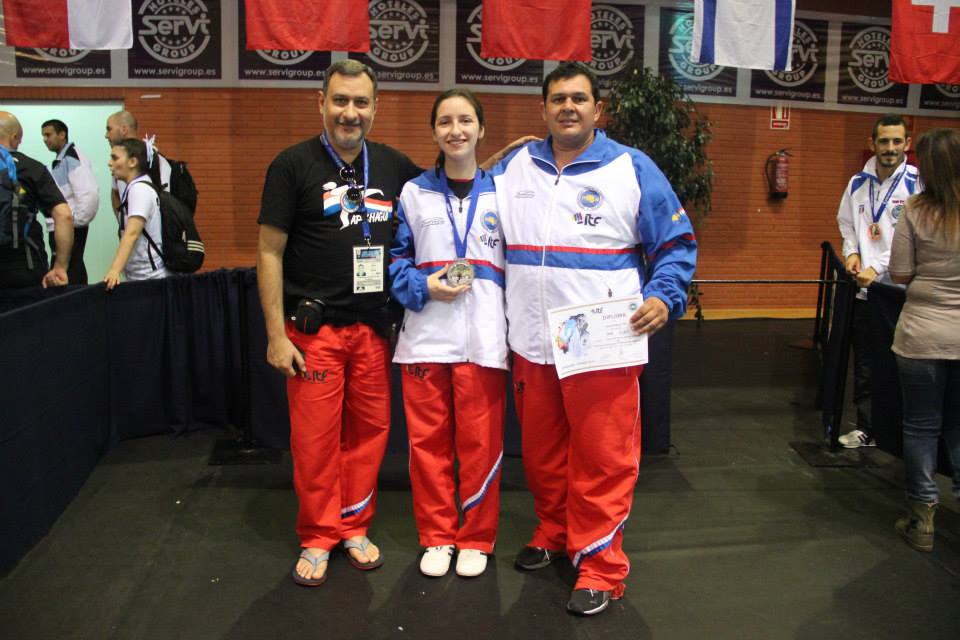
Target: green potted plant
654 114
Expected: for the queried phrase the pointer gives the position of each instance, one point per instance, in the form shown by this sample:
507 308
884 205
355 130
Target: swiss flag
536 29
310 25
925 42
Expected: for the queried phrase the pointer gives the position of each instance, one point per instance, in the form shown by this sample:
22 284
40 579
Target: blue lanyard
883 205
8 163
362 208
460 244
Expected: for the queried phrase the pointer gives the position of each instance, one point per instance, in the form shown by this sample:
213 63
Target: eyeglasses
354 191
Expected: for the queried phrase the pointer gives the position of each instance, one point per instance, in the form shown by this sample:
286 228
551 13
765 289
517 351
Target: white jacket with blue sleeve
471 328
607 226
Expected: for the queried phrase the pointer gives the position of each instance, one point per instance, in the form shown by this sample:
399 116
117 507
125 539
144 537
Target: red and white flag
925 41
536 29
69 24
310 25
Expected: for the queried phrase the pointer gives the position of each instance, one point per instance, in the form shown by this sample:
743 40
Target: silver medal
459 273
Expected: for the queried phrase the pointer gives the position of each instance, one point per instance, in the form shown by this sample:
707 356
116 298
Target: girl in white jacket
447 270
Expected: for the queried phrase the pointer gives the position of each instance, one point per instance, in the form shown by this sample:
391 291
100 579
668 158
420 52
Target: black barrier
824 296
54 410
839 294
82 368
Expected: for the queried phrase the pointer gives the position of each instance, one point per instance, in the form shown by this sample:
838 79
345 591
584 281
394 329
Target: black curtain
54 402
83 368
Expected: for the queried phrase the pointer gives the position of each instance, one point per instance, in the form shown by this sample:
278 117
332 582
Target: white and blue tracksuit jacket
855 215
583 234
472 328
74 175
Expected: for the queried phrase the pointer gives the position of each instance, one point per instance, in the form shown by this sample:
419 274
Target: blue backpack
15 216
9 201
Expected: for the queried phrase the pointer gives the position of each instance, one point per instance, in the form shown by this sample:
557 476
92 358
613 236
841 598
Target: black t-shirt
303 195
42 194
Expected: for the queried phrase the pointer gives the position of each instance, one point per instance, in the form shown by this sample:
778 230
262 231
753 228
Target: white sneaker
436 561
856 439
471 563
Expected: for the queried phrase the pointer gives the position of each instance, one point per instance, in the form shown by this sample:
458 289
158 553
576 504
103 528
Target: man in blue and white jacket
584 219
872 203
74 175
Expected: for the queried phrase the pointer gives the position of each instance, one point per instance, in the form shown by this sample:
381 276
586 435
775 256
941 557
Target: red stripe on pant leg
316 402
603 409
366 424
544 441
479 405
428 405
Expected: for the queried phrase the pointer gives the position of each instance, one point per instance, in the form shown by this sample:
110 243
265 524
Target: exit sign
780 117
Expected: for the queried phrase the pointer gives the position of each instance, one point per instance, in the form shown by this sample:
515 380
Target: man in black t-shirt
325 229
26 264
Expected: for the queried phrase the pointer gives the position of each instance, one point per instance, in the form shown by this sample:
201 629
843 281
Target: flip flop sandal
315 561
362 546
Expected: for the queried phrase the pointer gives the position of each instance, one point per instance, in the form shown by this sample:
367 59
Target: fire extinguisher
777 172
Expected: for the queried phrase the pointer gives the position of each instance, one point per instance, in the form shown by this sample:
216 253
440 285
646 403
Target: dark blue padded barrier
83 368
54 411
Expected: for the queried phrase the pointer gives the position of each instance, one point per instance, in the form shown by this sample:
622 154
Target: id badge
368 269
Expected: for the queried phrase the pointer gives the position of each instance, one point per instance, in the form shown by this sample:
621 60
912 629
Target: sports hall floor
732 535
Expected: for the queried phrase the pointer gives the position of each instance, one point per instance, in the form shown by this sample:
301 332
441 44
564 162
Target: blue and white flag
754 34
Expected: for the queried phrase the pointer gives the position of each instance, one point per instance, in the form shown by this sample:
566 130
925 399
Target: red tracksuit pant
581 457
455 409
339 421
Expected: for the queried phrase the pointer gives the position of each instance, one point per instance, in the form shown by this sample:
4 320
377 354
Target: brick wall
229 137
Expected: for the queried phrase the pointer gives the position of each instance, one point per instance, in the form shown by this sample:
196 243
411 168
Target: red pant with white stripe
581 457
455 409
339 422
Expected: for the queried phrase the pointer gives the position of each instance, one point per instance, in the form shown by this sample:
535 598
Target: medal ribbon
363 187
883 205
461 244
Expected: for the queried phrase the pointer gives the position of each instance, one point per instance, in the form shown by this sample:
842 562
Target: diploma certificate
596 336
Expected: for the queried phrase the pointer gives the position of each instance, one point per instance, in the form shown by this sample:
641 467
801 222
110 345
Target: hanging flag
753 34
925 42
69 24
308 25
536 29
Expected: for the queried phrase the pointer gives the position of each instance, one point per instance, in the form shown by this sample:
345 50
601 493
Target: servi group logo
804 58
613 40
806 79
951 91
284 58
869 64
473 68
865 68
62 56
174 31
399 33
474 27
680 52
62 63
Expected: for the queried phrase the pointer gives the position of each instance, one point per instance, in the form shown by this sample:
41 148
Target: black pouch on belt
309 316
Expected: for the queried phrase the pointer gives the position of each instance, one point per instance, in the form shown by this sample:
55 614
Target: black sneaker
588 602
532 558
